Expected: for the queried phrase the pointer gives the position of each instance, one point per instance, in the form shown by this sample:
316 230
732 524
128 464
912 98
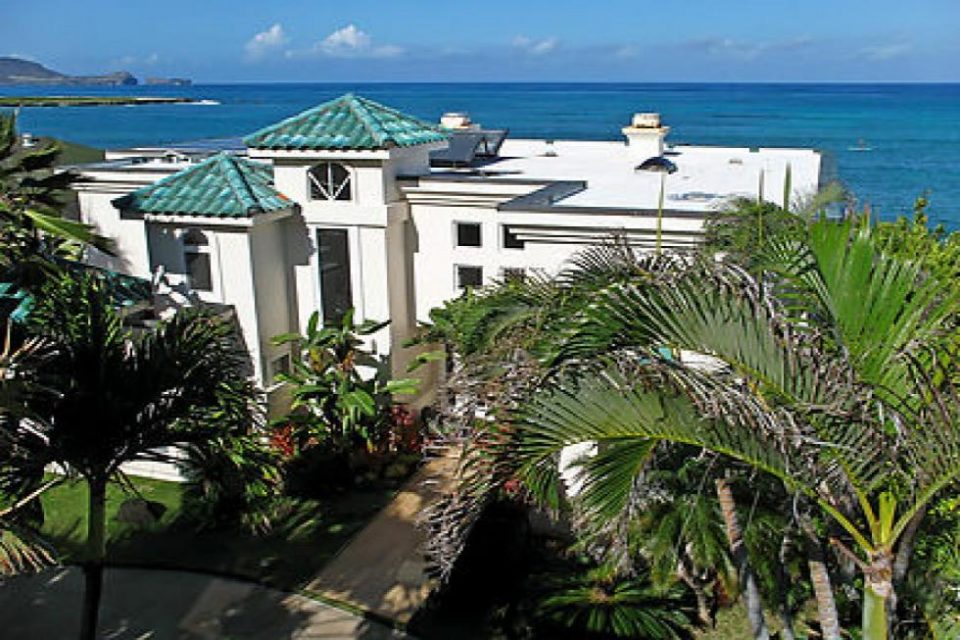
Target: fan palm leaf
817 400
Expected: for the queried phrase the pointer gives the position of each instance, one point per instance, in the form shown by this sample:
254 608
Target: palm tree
512 338
681 532
120 396
32 195
20 548
830 380
602 605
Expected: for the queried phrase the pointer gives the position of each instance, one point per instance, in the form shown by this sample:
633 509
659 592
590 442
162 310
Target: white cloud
746 50
885 52
266 42
535 47
733 48
349 42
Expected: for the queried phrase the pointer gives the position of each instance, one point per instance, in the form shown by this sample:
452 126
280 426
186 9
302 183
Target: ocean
888 143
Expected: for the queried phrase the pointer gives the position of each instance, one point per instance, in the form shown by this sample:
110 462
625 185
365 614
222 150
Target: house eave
187 220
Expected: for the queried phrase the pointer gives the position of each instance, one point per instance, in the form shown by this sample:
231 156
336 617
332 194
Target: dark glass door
335 295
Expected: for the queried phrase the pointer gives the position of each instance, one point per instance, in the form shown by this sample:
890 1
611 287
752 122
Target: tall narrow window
329 181
198 271
196 258
334 257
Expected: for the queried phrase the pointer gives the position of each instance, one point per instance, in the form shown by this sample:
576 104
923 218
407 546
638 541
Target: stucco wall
438 255
231 270
129 236
271 279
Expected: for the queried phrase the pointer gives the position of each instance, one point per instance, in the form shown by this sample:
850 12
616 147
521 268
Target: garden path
151 603
381 571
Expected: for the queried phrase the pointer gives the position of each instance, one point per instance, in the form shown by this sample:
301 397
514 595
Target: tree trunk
820 580
704 613
783 608
877 591
823 593
96 550
748 581
901 563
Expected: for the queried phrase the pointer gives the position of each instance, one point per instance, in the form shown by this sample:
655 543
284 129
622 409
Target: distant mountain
175 82
19 71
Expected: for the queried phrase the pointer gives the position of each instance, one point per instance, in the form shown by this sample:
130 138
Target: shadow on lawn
169 604
286 557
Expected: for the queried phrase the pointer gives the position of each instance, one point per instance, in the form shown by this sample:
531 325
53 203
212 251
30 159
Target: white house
354 204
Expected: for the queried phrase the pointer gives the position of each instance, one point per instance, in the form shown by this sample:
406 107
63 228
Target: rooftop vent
457 120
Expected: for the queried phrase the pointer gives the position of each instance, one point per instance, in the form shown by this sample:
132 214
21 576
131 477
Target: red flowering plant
404 436
282 440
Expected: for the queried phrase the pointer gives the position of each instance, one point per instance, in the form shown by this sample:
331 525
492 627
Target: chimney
645 136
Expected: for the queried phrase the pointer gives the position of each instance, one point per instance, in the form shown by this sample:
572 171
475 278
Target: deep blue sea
912 131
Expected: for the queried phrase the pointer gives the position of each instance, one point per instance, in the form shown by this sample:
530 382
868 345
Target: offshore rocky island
17 71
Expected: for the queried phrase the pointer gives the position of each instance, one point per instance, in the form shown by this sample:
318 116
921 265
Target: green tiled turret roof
349 122
223 186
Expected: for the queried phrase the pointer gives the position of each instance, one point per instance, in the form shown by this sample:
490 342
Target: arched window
193 237
329 181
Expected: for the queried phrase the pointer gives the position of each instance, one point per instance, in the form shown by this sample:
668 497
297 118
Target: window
514 274
469 277
510 239
468 234
198 271
196 258
195 238
329 181
335 291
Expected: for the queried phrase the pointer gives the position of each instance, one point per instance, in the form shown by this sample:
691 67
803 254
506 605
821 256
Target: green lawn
287 557
86 101
74 153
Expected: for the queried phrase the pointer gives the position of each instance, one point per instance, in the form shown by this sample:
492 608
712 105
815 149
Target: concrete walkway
155 604
381 571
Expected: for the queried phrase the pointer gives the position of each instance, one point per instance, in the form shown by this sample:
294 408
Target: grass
84 101
732 622
287 557
73 153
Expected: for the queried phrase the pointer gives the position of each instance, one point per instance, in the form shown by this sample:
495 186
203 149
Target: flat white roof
706 177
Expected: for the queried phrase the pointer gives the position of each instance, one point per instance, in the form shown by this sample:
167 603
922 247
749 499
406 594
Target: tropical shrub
344 426
595 603
830 373
118 396
32 227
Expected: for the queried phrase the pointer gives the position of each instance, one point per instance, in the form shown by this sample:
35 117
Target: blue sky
493 40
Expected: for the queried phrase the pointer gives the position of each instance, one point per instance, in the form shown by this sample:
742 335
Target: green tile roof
223 186
15 303
349 122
